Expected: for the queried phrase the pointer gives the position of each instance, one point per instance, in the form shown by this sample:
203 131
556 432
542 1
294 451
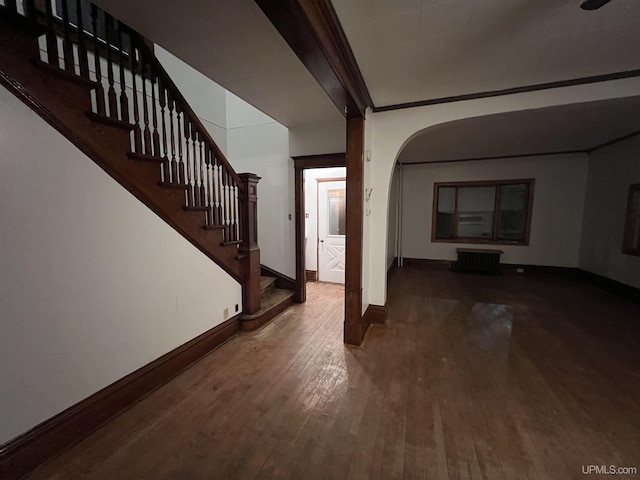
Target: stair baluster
219 191
202 198
210 182
197 179
236 222
99 91
113 102
154 116
148 150
124 100
135 66
83 59
227 203
166 164
30 8
192 164
51 37
196 163
67 45
181 167
184 155
174 161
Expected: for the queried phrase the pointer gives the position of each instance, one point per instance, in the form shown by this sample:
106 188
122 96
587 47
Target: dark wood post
354 326
301 291
248 248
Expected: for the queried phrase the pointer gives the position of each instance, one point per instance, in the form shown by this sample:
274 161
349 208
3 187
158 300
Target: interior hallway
507 377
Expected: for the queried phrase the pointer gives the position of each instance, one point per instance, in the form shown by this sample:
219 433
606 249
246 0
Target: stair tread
69 76
177 186
213 227
195 209
266 282
272 300
114 122
145 157
234 242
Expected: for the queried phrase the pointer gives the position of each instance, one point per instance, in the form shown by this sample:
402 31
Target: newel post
248 248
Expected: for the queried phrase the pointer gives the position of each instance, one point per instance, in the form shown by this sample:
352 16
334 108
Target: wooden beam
313 31
321 161
354 326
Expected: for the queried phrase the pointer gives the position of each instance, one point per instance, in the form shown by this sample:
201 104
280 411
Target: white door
332 221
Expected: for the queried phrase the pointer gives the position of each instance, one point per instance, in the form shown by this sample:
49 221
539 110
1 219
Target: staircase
98 82
273 301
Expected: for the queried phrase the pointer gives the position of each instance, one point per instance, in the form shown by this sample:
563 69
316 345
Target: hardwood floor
472 377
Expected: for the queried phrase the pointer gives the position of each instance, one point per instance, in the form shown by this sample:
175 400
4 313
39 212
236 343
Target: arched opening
549 145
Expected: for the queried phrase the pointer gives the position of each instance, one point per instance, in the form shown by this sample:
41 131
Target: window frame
632 218
530 182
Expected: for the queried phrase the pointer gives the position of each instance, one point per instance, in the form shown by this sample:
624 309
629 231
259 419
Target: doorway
323 243
331 222
306 263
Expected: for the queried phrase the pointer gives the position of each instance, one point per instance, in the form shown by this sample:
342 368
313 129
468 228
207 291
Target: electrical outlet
225 312
237 307
519 270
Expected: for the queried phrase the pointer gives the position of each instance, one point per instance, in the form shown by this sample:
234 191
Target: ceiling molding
496 157
615 140
525 155
313 31
510 91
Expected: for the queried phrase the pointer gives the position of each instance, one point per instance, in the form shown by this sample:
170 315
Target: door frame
301 164
323 180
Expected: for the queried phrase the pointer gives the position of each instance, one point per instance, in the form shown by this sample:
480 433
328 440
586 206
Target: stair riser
267 291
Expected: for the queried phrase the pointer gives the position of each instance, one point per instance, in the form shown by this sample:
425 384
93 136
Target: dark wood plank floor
472 378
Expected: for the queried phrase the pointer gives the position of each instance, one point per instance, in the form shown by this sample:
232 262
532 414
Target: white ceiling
580 126
412 50
233 43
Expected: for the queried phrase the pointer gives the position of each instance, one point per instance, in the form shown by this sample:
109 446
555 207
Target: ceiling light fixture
593 4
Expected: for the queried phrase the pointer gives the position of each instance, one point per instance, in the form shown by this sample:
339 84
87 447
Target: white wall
253 142
318 139
611 170
556 223
207 99
311 177
391 130
259 144
93 284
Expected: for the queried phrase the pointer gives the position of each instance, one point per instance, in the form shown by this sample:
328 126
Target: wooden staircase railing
131 89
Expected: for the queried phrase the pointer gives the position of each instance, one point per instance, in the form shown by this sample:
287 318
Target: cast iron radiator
475 260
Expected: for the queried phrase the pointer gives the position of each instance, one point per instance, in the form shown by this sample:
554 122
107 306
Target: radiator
475 260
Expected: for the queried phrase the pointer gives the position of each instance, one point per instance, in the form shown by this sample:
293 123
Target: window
483 212
631 244
337 208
